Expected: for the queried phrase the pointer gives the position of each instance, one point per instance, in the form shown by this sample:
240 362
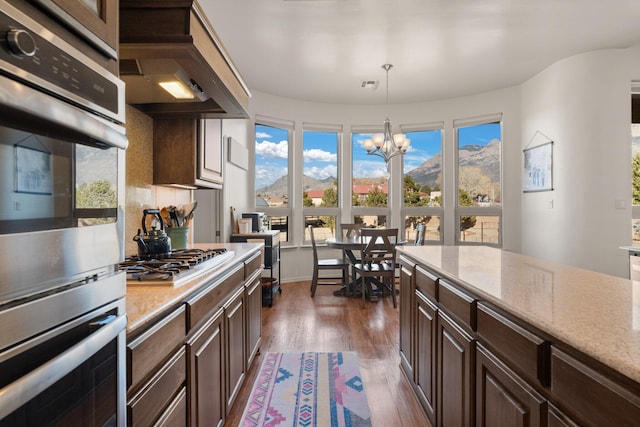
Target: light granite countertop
146 301
595 313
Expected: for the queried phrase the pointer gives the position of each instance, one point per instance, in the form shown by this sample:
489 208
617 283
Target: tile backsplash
140 192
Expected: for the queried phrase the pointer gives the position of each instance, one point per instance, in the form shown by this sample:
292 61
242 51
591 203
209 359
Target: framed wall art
538 168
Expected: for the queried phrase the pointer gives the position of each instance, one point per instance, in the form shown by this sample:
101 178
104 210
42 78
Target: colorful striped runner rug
308 389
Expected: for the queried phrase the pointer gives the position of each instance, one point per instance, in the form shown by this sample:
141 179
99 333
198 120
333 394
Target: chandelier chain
387 67
387 145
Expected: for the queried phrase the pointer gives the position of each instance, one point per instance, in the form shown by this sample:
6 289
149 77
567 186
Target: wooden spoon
164 213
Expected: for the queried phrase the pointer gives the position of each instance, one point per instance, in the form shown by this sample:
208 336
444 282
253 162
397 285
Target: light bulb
378 140
398 139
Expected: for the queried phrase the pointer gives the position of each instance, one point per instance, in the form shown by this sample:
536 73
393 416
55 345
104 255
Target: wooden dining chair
378 261
351 231
335 264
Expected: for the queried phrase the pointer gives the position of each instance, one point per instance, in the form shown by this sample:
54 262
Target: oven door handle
22 390
47 112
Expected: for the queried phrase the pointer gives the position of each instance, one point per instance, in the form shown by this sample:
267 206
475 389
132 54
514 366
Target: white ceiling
321 50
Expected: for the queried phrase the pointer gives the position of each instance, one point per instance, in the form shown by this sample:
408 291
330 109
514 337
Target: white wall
297 260
237 190
583 104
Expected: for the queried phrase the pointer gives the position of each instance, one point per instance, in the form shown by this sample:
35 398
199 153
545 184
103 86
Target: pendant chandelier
387 145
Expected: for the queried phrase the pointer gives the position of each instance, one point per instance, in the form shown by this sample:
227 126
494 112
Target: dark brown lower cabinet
187 366
556 418
592 398
156 396
503 399
234 345
455 371
156 370
206 369
176 414
473 363
425 365
406 319
254 315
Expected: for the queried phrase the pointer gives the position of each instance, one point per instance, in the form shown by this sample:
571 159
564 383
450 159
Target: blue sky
479 134
320 152
271 154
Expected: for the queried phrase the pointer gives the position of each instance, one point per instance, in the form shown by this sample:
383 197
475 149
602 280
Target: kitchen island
190 342
490 337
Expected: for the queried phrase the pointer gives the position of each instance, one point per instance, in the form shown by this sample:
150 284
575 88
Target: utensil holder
179 237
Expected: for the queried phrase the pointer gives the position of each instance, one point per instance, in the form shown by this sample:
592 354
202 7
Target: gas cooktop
175 269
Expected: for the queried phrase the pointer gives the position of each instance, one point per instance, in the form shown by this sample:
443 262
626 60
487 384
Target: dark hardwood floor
298 323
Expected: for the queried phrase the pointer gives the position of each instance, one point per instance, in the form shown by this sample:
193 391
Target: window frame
322 211
461 211
366 210
289 126
410 211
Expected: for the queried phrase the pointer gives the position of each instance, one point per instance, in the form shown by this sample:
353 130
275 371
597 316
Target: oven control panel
37 57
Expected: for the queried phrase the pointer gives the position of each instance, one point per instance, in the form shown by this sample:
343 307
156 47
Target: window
320 187
280 223
272 172
272 166
433 231
298 180
422 182
369 185
324 226
478 209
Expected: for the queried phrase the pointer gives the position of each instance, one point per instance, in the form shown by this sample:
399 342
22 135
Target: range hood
173 39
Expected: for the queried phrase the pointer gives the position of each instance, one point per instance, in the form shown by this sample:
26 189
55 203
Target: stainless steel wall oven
62 299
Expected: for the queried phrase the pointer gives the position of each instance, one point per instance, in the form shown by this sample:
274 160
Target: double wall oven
62 142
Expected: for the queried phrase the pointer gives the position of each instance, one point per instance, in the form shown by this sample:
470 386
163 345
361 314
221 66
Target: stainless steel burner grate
166 268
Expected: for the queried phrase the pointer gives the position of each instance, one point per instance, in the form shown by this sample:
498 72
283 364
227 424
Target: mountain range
279 186
484 157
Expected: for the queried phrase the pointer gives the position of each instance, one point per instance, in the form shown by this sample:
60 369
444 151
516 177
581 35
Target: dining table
350 245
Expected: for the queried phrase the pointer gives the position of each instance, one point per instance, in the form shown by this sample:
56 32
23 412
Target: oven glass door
52 184
77 376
